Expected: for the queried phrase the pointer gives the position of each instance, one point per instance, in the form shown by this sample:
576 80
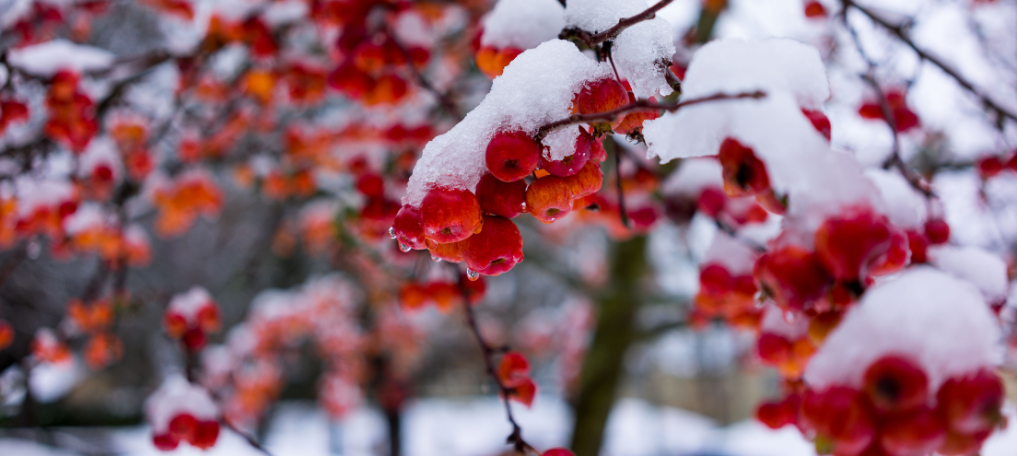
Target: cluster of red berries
371 60
71 112
988 167
444 295
728 296
191 317
514 374
903 117
12 111
894 414
186 428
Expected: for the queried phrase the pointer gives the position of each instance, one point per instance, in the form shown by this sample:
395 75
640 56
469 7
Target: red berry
549 198
587 181
989 167
958 444
773 349
601 96
711 201
205 435
919 245
896 257
183 426
938 231
744 173
195 339
513 367
512 155
571 165
792 276
778 414
819 120
918 433
840 417
850 245
558 452
407 228
506 199
972 403
895 384
496 249
450 215
165 442
715 279
371 185
452 252
815 10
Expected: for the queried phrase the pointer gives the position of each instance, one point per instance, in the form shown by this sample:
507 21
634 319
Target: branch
902 34
516 437
638 105
613 32
250 440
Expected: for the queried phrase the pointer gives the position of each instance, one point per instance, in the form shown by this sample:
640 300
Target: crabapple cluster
180 411
191 317
442 294
514 375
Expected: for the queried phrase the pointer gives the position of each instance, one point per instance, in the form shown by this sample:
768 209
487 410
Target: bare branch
613 32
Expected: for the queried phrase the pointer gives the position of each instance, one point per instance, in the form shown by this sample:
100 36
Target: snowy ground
477 427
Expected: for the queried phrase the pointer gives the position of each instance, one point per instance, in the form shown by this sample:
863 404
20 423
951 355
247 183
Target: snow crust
522 24
732 254
693 176
46 59
983 269
639 50
536 88
775 322
927 315
178 396
905 207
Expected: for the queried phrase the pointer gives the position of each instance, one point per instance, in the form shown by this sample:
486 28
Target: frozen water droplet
789 316
404 247
391 232
523 206
435 259
34 249
471 274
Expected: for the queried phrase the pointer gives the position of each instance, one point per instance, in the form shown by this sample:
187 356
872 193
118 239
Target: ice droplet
435 259
789 316
391 232
404 247
523 206
471 274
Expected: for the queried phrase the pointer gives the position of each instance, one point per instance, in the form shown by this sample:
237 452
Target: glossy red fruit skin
572 164
371 185
841 418
452 252
917 433
972 404
958 444
587 181
711 201
937 231
777 414
773 349
815 10
818 119
792 276
919 246
408 229
558 452
496 249
549 198
744 173
989 167
512 155
850 245
895 383
450 215
165 442
206 433
715 279
601 96
896 257
506 199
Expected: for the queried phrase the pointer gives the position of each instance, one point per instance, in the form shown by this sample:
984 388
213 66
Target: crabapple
777 414
571 165
971 404
450 215
407 229
850 245
792 276
815 10
819 120
919 246
895 383
507 199
451 252
744 173
937 231
917 433
512 155
587 181
841 418
601 96
496 249
549 198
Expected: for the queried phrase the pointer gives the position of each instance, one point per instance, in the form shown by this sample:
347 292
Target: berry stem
516 437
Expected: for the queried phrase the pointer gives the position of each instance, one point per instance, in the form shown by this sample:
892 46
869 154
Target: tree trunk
603 368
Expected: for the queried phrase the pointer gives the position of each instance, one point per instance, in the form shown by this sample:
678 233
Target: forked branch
593 39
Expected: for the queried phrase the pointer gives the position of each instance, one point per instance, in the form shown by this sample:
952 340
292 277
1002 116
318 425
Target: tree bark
603 368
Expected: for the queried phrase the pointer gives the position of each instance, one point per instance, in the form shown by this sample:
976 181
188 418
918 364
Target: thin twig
613 32
902 34
516 437
250 440
638 105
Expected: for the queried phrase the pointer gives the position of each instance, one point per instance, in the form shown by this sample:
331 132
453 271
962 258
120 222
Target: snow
905 207
522 24
732 254
897 317
537 88
693 176
177 396
411 29
49 382
776 322
46 59
284 12
88 216
983 269
638 49
101 151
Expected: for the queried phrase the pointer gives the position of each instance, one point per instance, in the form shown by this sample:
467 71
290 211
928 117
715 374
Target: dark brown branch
516 437
902 34
613 32
638 105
